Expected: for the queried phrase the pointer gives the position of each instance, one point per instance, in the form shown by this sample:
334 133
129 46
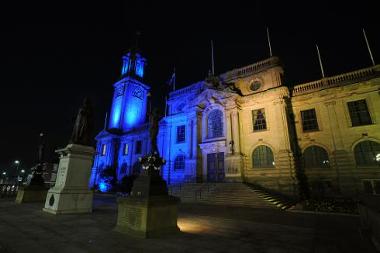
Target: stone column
340 160
235 131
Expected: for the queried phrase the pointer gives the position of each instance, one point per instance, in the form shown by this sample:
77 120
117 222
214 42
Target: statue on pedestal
37 178
154 118
83 125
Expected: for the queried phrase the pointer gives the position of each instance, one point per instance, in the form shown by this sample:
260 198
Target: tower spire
137 36
212 58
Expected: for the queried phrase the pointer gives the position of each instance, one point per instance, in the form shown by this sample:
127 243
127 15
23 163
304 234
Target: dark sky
52 56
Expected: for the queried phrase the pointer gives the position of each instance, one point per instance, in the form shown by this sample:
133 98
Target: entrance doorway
215 167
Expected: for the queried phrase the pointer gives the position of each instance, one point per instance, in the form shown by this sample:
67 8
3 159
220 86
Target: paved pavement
205 228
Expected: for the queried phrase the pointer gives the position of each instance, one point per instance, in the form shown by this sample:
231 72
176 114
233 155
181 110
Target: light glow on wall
104 186
116 113
139 68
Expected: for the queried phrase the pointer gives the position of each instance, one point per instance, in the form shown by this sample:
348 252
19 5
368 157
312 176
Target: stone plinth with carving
149 211
70 193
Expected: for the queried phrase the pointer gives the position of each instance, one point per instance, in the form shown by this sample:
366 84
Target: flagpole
166 104
212 57
320 62
369 48
174 79
105 121
270 46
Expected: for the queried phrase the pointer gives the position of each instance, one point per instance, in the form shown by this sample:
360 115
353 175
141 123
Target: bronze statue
154 118
83 125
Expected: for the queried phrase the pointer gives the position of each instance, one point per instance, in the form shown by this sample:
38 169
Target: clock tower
130 95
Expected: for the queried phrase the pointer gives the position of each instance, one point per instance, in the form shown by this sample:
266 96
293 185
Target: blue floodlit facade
238 127
126 136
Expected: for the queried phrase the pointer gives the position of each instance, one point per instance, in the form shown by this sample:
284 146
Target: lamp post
17 163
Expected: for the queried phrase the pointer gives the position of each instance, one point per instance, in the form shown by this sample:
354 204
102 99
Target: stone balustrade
197 87
338 80
250 69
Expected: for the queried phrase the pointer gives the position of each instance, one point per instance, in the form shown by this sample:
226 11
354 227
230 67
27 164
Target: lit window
138 147
179 162
104 149
125 150
262 157
215 124
258 119
359 113
181 134
367 153
309 120
316 157
371 186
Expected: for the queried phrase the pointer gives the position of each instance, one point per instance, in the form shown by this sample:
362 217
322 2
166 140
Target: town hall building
247 125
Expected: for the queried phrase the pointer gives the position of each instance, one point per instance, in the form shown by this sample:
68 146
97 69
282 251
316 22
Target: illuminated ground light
104 186
192 226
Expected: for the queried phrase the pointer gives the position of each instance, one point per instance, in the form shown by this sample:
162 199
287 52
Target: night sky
54 56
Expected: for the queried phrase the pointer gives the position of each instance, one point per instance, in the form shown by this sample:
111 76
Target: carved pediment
211 96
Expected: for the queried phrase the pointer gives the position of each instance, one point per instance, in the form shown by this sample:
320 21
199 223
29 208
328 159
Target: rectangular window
104 149
125 150
181 133
309 120
359 113
258 120
371 186
138 147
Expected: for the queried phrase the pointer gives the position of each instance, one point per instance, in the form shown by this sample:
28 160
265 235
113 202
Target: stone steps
234 194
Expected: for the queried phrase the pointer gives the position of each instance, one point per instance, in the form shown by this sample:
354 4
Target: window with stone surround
215 124
104 149
125 149
262 157
367 153
315 157
309 120
138 148
359 113
181 133
179 162
258 120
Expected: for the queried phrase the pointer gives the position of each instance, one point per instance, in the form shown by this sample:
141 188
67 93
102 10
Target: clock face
138 93
255 85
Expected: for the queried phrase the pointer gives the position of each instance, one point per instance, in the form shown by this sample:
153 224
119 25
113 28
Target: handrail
335 81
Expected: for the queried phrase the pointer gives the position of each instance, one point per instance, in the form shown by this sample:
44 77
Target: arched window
215 124
262 157
179 162
367 153
316 157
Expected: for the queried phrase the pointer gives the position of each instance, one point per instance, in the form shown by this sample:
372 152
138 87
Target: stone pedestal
31 193
149 211
36 190
70 193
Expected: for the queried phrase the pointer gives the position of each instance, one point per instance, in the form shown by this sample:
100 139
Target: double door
215 167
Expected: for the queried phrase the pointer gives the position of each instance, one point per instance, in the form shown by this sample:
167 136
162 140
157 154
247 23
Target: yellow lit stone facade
270 131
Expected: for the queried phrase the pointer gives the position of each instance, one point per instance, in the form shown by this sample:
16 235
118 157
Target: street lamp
17 163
